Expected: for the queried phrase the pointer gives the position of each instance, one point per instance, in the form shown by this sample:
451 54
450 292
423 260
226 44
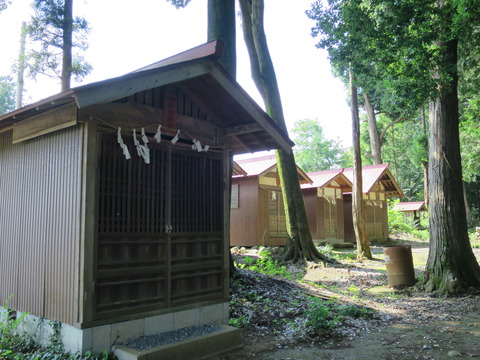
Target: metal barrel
399 262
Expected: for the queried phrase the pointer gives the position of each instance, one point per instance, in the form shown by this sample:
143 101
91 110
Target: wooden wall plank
244 220
45 123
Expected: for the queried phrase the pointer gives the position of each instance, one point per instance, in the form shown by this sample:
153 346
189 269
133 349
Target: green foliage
398 223
16 345
326 250
474 239
319 317
240 321
402 150
324 316
7 94
179 3
313 152
4 4
46 28
266 264
11 342
359 37
473 195
470 141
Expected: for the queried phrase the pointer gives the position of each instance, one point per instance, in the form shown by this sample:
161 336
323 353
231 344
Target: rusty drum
399 262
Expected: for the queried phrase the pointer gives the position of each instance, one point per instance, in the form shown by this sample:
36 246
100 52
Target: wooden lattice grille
276 214
160 229
330 219
197 190
132 193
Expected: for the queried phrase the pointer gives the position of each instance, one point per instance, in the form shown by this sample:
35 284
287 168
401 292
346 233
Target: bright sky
125 37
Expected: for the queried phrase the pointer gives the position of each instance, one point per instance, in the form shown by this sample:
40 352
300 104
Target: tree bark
375 144
67 45
221 26
358 205
425 163
451 265
425 182
299 245
21 66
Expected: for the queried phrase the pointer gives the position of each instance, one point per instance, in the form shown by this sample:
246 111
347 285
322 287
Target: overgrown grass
12 342
474 241
17 345
324 316
267 265
328 251
398 223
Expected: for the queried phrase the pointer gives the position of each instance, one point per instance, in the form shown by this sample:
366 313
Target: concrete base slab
202 347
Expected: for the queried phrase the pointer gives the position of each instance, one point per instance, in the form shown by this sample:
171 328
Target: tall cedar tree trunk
358 205
299 246
221 26
451 265
67 45
21 66
375 144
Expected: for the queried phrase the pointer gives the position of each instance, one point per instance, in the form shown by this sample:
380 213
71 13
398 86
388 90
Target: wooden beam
132 83
89 228
132 115
243 144
47 122
242 129
5 129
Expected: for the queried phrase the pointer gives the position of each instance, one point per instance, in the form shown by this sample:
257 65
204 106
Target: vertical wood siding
340 220
310 199
244 220
321 217
40 223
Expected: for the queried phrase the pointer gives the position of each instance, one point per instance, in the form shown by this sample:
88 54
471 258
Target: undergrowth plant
398 223
323 316
266 264
18 345
11 340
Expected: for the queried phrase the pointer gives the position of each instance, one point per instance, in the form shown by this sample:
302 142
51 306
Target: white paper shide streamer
142 150
175 139
198 146
158 134
124 147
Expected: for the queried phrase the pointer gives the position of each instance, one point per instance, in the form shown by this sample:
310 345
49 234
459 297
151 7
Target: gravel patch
148 342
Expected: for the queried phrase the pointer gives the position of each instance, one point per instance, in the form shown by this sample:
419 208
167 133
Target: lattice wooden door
160 230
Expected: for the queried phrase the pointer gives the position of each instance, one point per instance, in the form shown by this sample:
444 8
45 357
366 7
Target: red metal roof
373 174
212 49
325 177
410 206
197 70
259 166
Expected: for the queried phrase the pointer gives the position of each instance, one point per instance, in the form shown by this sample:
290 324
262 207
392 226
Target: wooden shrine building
378 185
324 204
411 210
257 215
114 200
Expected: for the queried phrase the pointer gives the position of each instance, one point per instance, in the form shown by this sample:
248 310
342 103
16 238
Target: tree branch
398 120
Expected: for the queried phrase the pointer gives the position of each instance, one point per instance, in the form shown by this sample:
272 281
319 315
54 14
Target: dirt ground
409 324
